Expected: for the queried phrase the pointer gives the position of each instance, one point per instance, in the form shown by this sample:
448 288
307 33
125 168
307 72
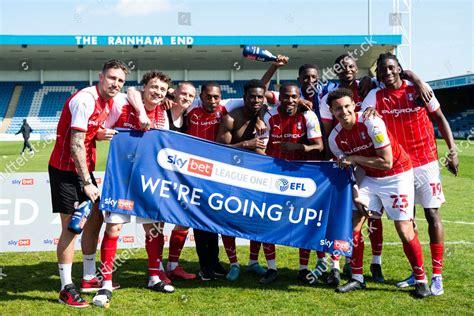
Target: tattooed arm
78 153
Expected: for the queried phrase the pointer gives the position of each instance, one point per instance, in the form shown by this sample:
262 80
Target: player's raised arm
268 75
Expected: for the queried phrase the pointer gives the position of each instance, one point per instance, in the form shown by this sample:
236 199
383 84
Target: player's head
342 105
185 94
112 78
389 69
289 96
308 76
345 67
254 94
210 96
155 86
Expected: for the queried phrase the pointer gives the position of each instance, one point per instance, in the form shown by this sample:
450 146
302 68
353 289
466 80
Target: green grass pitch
31 282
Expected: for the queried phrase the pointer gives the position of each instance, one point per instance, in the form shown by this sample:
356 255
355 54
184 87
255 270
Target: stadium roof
183 52
452 82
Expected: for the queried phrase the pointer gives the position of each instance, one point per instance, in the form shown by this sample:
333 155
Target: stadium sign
184 40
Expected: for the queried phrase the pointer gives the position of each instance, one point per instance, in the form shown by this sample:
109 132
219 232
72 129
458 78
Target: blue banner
180 179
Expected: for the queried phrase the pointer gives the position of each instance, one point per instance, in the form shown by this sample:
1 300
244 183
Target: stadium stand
41 104
6 91
462 124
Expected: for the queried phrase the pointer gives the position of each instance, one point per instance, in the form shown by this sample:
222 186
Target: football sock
437 258
89 267
152 246
415 257
377 259
177 241
108 250
254 250
65 274
357 261
334 264
304 258
229 245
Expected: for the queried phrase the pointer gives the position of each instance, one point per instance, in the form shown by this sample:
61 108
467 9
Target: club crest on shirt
363 136
410 96
298 125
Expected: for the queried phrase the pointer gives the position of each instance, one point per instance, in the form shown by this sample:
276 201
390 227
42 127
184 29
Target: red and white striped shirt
407 121
363 139
325 111
126 116
84 111
293 129
206 125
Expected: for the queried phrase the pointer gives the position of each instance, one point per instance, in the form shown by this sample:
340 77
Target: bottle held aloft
258 53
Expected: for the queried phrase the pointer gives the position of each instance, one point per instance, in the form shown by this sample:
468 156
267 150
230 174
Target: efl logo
342 245
200 167
24 242
125 204
128 239
27 181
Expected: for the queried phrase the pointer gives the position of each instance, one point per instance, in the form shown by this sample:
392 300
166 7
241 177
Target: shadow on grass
43 277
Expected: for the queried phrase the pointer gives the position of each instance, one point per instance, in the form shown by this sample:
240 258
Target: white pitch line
458 222
460 242
444 221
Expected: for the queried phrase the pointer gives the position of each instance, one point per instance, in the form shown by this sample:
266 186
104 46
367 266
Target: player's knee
432 216
113 230
405 231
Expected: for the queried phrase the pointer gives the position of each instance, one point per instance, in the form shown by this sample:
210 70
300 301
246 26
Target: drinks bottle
257 53
80 217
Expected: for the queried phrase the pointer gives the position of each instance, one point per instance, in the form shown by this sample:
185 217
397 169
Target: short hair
342 57
383 57
210 84
337 94
287 84
155 74
189 83
115 64
307 66
254 83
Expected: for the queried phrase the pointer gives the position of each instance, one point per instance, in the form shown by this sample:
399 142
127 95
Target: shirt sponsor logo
359 148
397 112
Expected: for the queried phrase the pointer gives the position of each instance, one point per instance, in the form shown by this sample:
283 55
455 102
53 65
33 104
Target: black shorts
66 190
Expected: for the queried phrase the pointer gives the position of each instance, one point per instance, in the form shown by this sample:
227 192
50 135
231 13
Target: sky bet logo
282 184
194 165
23 181
20 243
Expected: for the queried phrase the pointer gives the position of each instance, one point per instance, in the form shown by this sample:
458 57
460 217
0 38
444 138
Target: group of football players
379 127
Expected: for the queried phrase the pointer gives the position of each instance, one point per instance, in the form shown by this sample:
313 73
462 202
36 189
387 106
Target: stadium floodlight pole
369 20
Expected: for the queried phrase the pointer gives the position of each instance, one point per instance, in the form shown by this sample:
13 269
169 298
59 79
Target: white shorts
428 188
395 194
116 218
